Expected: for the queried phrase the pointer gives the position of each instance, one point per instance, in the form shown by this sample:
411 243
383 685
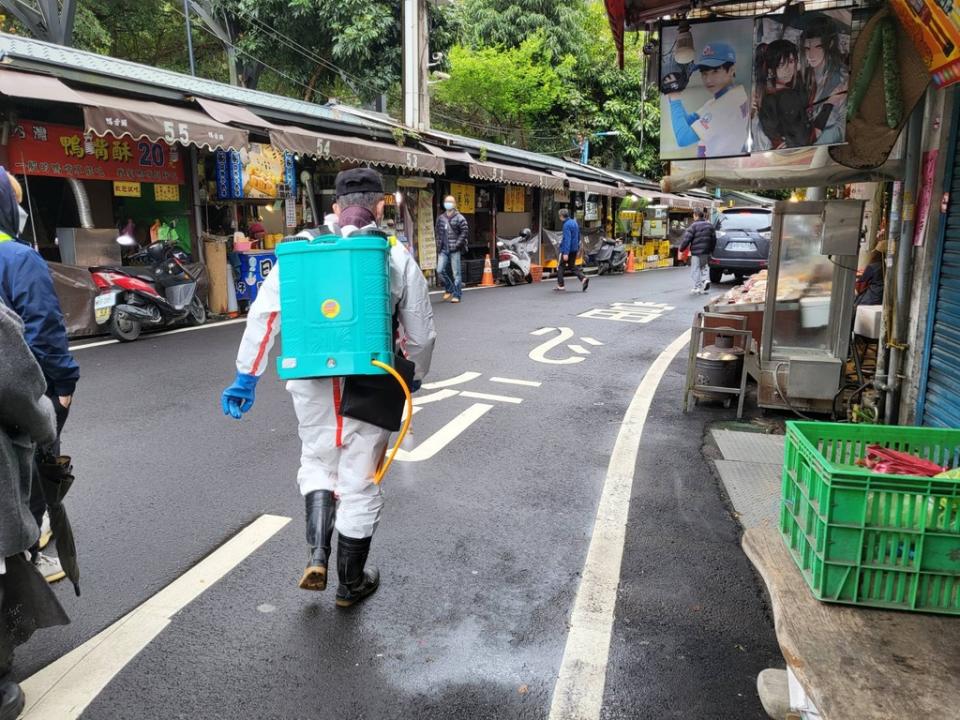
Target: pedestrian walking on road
340 455
26 287
701 239
27 420
453 238
569 249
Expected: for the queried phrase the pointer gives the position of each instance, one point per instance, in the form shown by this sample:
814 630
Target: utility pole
49 20
186 15
416 42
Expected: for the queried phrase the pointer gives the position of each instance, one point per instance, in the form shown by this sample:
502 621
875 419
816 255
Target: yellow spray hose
382 470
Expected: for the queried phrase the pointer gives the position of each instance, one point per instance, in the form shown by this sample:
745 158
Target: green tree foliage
504 91
507 23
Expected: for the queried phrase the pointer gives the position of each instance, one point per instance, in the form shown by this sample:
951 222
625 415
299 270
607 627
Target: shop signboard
166 193
229 175
264 172
514 199
39 148
290 211
466 197
426 242
124 188
289 175
934 28
591 208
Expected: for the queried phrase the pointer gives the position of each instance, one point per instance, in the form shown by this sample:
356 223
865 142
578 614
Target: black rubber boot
12 700
356 583
321 513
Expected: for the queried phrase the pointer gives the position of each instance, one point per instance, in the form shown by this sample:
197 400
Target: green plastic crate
885 541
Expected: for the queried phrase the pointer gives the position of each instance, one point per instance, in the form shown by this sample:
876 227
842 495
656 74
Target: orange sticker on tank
330 309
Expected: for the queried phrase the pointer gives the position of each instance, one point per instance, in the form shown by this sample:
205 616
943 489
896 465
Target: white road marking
208 326
539 353
543 331
442 437
67 686
461 378
434 397
466 289
496 398
591 341
579 349
578 694
511 381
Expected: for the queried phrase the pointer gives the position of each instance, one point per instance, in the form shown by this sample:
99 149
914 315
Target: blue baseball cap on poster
716 54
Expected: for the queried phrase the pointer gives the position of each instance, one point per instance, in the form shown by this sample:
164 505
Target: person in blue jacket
26 287
569 249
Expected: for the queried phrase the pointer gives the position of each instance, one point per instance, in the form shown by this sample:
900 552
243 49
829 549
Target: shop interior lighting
683 51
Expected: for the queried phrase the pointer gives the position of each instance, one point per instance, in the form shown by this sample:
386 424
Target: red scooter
159 294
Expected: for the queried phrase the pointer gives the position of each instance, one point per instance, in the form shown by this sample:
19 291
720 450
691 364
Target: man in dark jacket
701 238
453 238
568 251
26 287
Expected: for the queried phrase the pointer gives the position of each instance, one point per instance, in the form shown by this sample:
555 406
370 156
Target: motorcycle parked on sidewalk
161 293
612 256
515 259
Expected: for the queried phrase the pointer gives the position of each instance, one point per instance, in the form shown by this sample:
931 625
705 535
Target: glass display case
808 315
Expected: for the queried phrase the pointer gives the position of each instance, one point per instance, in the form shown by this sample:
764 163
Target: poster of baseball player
801 78
706 85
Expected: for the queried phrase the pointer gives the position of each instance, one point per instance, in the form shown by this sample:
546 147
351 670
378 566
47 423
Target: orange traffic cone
630 267
487 279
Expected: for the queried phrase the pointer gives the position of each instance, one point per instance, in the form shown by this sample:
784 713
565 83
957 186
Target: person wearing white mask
26 287
453 239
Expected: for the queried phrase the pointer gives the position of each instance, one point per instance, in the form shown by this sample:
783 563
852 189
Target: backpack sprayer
337 314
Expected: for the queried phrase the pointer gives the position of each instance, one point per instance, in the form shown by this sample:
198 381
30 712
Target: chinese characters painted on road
63 151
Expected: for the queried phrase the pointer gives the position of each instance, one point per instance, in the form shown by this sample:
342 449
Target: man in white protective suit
339 454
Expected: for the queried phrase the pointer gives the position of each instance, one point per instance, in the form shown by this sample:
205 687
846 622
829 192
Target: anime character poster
706 72
801 78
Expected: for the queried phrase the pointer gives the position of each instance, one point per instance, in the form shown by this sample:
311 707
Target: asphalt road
481 546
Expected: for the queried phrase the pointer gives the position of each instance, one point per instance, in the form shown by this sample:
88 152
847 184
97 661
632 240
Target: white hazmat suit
338 453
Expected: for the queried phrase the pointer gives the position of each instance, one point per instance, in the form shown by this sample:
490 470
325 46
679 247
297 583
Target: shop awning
36 87
586 186
231 114
157 122
460 156
509 175
651 195
352 149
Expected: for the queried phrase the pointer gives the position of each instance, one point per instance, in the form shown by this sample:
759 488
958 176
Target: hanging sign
514 199
591 208
934 28
265 172
37 148
426 242
290 211
466 197
166 193
229 175
122 188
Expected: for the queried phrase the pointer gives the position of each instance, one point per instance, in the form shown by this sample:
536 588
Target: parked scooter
612 256
160 294
515 259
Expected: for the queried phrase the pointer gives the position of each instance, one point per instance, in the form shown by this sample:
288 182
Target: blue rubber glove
238 398
415 386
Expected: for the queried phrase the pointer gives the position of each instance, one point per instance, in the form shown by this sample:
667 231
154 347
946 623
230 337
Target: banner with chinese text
37 148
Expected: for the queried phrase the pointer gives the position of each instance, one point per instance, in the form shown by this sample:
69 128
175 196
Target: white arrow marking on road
579 349
578 694
496 398
459 379
511 381
442 437
67 686
543 331
591 341
539 353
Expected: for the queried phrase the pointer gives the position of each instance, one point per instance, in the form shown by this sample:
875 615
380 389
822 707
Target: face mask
23 219
449 205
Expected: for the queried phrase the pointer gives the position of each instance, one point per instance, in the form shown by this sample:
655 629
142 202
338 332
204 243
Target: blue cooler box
250 269
335 304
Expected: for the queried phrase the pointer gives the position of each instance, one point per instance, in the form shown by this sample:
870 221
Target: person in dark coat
701 239
869 286
27 420
453 238
26 287
568 251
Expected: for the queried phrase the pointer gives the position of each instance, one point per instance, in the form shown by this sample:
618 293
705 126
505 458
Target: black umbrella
56 477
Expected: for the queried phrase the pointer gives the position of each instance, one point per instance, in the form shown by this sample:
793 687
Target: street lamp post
585 143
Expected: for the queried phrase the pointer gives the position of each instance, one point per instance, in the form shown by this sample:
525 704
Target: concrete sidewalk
751 471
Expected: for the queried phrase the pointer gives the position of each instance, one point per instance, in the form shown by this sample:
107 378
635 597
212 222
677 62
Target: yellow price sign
514 199
466 197
166 193
122 188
